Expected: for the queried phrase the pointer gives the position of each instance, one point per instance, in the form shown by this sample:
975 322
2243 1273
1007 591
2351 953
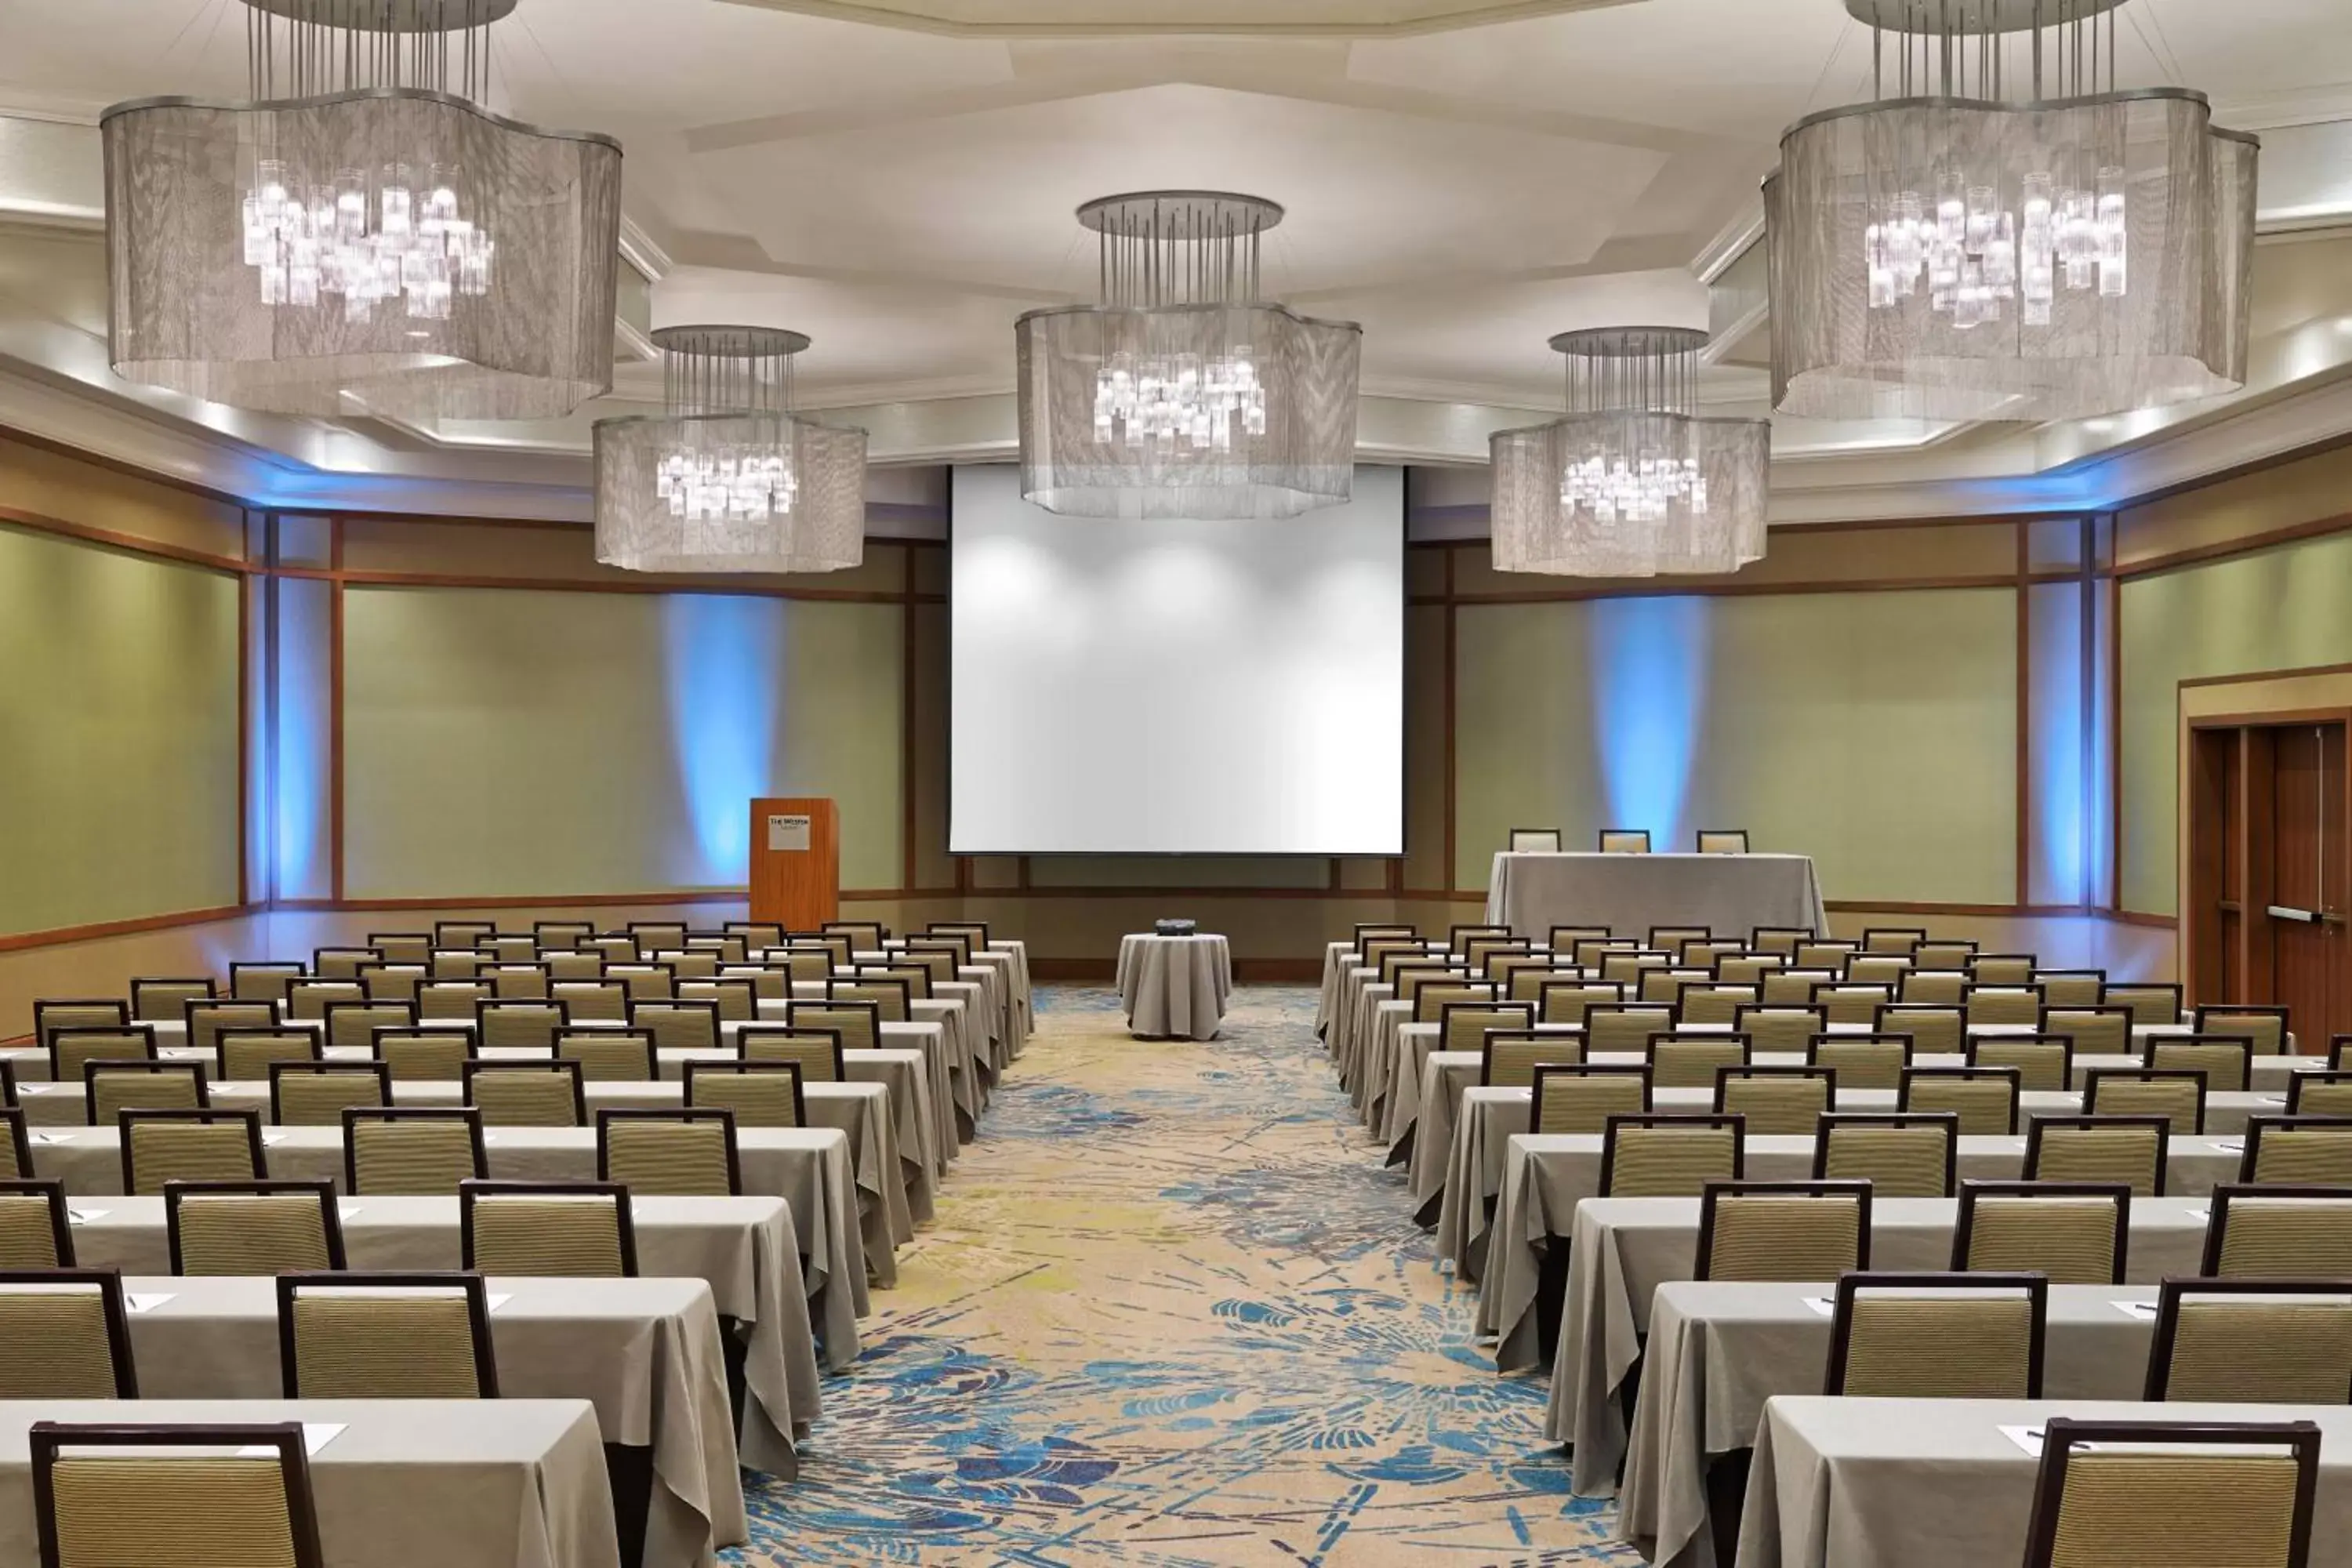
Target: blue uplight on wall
724 655
1647 657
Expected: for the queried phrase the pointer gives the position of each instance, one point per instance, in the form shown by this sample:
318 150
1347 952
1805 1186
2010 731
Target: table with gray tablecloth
807 1167
1624 1248
1174 986
742 1249
645 1352
452 1483
1922 1483
1730 895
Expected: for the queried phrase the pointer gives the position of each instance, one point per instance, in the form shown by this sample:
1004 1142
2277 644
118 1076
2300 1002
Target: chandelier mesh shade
363 236
1183 394
1944 254
728 478
1632 483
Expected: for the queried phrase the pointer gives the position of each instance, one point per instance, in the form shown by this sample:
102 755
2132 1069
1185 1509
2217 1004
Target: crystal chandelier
727 478
1632 483
1945 252
1182 394
362 236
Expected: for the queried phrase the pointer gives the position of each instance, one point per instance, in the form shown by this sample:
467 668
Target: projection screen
1142 688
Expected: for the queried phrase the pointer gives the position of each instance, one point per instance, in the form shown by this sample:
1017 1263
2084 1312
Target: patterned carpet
1174 1313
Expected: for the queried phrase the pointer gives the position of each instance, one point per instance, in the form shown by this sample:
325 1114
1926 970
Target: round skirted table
1174 986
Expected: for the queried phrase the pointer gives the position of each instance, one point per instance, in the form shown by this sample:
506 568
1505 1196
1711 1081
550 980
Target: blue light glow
298 770
2059 860
1648 662
724 658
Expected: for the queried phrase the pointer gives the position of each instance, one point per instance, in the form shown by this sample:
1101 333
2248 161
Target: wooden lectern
795 863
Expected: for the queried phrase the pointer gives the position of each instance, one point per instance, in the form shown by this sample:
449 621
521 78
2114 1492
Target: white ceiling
900 189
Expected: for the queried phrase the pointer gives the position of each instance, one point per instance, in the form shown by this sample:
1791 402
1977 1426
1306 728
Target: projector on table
1173 927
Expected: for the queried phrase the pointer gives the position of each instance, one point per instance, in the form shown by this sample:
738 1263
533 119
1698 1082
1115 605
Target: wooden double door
2270 867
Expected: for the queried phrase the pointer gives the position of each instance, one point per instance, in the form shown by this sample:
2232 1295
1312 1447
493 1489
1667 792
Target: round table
1174 986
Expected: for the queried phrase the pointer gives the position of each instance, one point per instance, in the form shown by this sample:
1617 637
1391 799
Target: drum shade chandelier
1184 393
1632 482
728 478
1950 252
362 235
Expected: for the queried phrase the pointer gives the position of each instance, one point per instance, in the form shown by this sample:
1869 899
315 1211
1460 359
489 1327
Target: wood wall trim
117 466
735 587
60 935
1714 589
2140 917
2224 549
131 543
2022 889
2255 675
882 511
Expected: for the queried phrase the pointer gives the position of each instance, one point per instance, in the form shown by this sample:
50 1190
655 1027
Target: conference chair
1479 952
1521 977
1464 1025
572 964
866 936
1591 951
2256 1342
1667 1154
1624 841
262 982
208 1021
1711 1002
2150 1002
111 1087
1782 1230
736 998
462 933
248 1228
1862 1061
160 1146
1788 987
509 947
1667 984
7 1083
1828 952
1887 969
458 964
69 1337
2095 1031
1901 1155
858 1023
2265 1028
2297 1150
889 996
560 936
644 982
210 1501
2238 1492
1780 940
385 1336
1508 1058
2339 1053
424 1055
2001 968
2319 1094
2177 1094
15 1147
691 964
2071 987
611 1056
1535 841
1748 968
352 1025
1778 1101
1934 1029
35 1229
1721 841
585 1001
759 1094
1900 940
2010 1004
2225 1060
245 1056
677 1026
1984 1099
526 1094
342 962
670 1153
1845 1004
1690 1061
1459 938
393 982
976 929
315 1094
72 1051
1937 1336
404 947
2045 1063
1624 1027
818 1053
414 1149
1778 1028
758 934
1581 1099
2127 1148
452 1001
1431 998
2279 1233
2077 1233
805 964
1933 987
611 947
519 1025
575 1230
163 1001
655 935
1568 1001
307 1000
840 945
1943 952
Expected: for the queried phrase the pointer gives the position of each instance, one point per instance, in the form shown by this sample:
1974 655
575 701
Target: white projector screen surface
1159 688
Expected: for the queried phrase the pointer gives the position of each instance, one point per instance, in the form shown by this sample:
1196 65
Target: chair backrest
1845 1002
660 1154
1943 952
245 1056
576 964
423 1150
560 936
315 1094
1904 940
573 1229
1667 1154
526 1093
2279 1231
451 1000
1464 1025
385 1336
519 1024
342 962
160 1146
1933 987
677 1026
1780 940
2127 1148
1624 841
425 1054
393 982
2265 1028
2175 1093
68 1335
2297 1150
1535 840
2077 1233
456 965
36 1230
1624 1027
190 1494
1782 1230
2070 987
519 982
2269 1342
510 948
1579 1099
653 936
462 933
2111 1494
737 999
887 996
72 1049
2001 968
606 1000
807 964
2226 1060
611 1056
353 1025
1691 1061
15 1146
1793 987
1508 1058
1521 976
866 935
1937 1336
403 947
1984 1098
2319 1094
1722 841
858 1023
1749 969
1862 1061
111 1086
1626 965
1903 1155
1985 1004
162 1001
1568 1001
1430 998
262 982
310 999
1778 1028
613 947
208 1020
762 933
1887 969
2045 1063
1714 1003
2151 1002
1828 952
1936 1029
1778 1101
252 1227
1479 952
761 1094
819 1054
2095 1031
917 977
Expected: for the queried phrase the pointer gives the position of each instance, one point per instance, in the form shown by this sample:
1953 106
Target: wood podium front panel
795 862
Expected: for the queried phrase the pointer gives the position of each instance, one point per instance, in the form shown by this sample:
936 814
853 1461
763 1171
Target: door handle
2281 912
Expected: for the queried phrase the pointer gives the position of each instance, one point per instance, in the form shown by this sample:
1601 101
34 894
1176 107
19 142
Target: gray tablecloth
1717 1351
743 1248
1624 1248
1728 894
496 1483
1175 985
807 1167
1915 1483
645 1352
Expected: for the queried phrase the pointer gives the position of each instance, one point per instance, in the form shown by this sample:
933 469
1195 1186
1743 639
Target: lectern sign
788 831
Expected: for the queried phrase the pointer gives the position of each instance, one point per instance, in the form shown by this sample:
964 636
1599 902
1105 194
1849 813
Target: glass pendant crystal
1183 395
727 478
362 236
1632 482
